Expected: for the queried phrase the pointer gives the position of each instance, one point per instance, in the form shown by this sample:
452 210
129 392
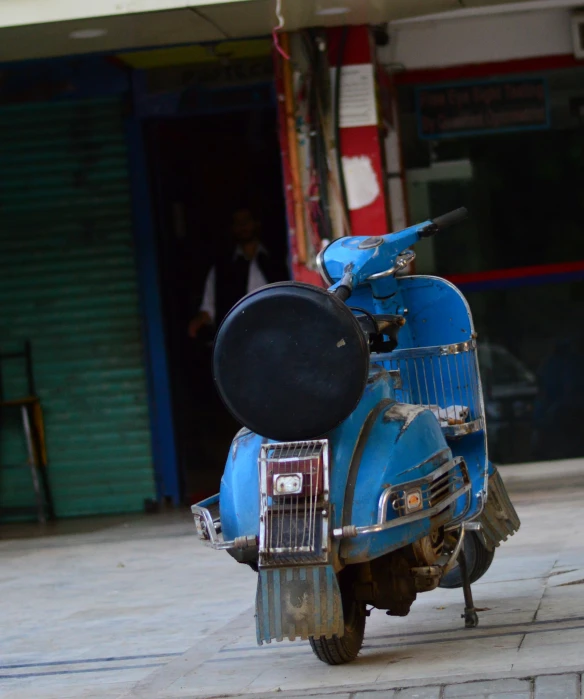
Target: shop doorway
202 169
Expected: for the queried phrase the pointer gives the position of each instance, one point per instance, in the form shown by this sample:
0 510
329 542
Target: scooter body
377 509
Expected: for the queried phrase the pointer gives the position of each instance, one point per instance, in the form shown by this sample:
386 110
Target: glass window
524 193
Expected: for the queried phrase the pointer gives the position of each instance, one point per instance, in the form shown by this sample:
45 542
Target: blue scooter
361 477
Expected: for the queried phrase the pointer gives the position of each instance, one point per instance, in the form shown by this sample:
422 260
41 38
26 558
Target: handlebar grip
345 288
343 293
451 218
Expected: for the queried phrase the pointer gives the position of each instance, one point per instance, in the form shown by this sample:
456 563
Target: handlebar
393 253
343 293
446 221
451 218
345 288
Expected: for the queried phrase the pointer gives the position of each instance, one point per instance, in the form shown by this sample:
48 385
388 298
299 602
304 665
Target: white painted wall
14 13
480 39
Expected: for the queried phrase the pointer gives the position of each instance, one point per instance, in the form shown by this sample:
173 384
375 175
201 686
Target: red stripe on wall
517 272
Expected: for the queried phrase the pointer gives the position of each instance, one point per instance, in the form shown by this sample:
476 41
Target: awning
39 28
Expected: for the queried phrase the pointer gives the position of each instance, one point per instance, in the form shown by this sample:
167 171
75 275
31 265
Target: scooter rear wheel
478 558
338 651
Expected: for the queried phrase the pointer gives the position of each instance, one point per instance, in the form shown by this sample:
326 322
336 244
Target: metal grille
449 479
444 379
294 526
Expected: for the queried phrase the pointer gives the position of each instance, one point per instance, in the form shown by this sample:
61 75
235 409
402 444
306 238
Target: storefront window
520 262
532 365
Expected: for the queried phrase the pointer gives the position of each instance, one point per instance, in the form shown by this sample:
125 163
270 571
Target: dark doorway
202 169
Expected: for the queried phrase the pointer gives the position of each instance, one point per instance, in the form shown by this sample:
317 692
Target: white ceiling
205 23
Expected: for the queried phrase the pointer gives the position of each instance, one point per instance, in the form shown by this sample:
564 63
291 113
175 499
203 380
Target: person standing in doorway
245 267
243 270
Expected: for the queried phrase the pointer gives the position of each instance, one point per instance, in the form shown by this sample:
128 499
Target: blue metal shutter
68 283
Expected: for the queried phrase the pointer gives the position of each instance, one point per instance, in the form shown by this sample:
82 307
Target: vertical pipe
293 152
400 153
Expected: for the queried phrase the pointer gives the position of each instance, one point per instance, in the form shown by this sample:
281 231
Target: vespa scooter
361 477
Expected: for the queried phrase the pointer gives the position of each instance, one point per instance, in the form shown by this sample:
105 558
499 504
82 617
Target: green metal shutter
68 283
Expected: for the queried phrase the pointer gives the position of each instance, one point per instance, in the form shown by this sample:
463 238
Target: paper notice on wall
358 104
361 181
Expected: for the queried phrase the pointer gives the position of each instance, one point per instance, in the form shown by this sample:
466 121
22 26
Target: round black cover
290 361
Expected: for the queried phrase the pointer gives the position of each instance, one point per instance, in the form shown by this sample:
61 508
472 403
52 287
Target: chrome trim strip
321 266
382 524
406 519
435 351
452 431
385 495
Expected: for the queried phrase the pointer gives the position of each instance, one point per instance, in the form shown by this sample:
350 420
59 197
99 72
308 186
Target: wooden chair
32 422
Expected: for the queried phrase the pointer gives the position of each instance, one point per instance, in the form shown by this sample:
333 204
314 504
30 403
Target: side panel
240 488
348 442
406 443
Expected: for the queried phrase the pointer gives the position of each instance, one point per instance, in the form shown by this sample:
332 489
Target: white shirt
255 280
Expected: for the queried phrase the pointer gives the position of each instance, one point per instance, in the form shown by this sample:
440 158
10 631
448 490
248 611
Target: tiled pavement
563 686
139 609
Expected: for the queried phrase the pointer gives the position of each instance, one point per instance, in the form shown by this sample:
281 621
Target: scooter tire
340 650
479 558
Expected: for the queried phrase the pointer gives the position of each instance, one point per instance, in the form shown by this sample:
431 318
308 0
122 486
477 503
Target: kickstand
470 616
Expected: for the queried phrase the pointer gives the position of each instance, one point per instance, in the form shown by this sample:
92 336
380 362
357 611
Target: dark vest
231 275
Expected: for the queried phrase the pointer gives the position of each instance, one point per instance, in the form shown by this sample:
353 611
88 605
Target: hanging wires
322 168
319 206
279 28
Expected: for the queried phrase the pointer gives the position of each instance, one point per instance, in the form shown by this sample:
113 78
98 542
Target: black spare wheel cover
290 361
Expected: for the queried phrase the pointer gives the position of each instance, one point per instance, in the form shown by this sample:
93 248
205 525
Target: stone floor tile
489 687
557 687
419 693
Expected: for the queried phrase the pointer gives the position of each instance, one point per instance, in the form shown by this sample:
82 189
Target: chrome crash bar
450 559
392 492
208 529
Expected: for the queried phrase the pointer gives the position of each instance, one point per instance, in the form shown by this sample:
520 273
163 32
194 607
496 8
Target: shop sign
446 111
216 74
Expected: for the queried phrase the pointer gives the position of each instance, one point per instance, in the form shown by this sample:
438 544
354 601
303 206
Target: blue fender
239 496
405 444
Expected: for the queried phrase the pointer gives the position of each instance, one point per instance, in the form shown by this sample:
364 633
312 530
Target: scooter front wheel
340 650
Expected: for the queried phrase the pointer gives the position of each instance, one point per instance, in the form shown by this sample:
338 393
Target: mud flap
499 519
298 603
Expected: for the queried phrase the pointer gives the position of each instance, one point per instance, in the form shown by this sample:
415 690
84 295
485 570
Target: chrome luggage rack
444 379
208 526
